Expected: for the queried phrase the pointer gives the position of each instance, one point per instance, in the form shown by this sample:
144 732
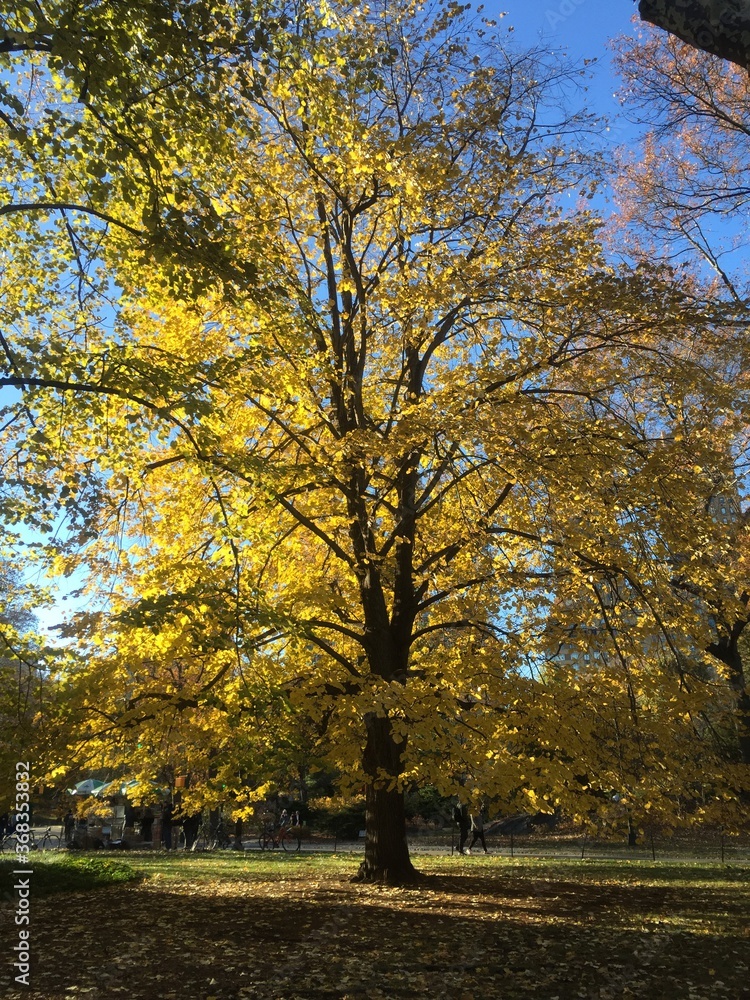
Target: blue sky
580 26
577 29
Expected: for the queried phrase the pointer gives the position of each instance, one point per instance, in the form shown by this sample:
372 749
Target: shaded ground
231 928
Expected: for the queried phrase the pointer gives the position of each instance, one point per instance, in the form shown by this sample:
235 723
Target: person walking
461 816
190 827
147 822
477 829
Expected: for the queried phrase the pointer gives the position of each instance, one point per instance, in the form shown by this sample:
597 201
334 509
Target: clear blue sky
577 29
581 26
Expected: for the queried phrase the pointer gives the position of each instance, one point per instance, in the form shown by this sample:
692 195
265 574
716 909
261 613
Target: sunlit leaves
378 485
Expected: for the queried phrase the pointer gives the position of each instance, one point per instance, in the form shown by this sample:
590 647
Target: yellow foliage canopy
383 483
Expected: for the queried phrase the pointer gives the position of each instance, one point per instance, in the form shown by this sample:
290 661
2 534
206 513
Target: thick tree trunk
386 851
722 28
743 724
727 650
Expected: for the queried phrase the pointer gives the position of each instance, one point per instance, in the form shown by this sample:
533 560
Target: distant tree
23 685
688 183
683 195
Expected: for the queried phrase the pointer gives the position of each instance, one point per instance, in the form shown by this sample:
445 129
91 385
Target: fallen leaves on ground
243 931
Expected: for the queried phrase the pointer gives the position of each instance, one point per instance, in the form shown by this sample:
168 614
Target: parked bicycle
289 838
48 841
8 843
211 840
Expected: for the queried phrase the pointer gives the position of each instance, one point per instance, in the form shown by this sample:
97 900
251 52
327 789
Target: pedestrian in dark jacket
166 826
477 829
147 821
461 816
190 827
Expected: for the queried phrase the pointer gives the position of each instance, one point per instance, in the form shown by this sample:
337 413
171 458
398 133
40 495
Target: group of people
287 819
469 823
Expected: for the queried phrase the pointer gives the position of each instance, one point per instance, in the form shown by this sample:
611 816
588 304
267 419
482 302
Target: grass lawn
266 927
62 872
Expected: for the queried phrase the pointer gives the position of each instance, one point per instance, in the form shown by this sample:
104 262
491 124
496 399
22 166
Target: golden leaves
438 436
288 927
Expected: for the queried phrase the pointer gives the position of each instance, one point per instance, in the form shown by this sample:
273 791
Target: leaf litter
239 930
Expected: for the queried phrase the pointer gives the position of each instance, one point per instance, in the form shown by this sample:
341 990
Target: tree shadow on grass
264 938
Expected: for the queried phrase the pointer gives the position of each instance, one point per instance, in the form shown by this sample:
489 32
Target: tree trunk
743 721
720 28
632 834
727 650
303 794
386 851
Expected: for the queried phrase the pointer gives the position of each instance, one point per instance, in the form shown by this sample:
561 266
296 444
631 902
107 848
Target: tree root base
368 875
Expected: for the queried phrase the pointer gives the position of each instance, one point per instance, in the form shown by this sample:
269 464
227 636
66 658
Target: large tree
436 404
721 27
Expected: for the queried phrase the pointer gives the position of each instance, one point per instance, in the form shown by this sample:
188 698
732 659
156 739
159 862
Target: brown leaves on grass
300 929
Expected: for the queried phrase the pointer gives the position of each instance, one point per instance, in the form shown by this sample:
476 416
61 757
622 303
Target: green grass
81 872
66 873
207 865
594 871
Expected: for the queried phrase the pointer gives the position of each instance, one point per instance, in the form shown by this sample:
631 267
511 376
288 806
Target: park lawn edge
54 873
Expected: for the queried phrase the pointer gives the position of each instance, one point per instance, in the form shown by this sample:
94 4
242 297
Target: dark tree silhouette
722 28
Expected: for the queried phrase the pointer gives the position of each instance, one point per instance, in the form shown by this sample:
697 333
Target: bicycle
49 841
289 838
211 841
8 844
221 838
